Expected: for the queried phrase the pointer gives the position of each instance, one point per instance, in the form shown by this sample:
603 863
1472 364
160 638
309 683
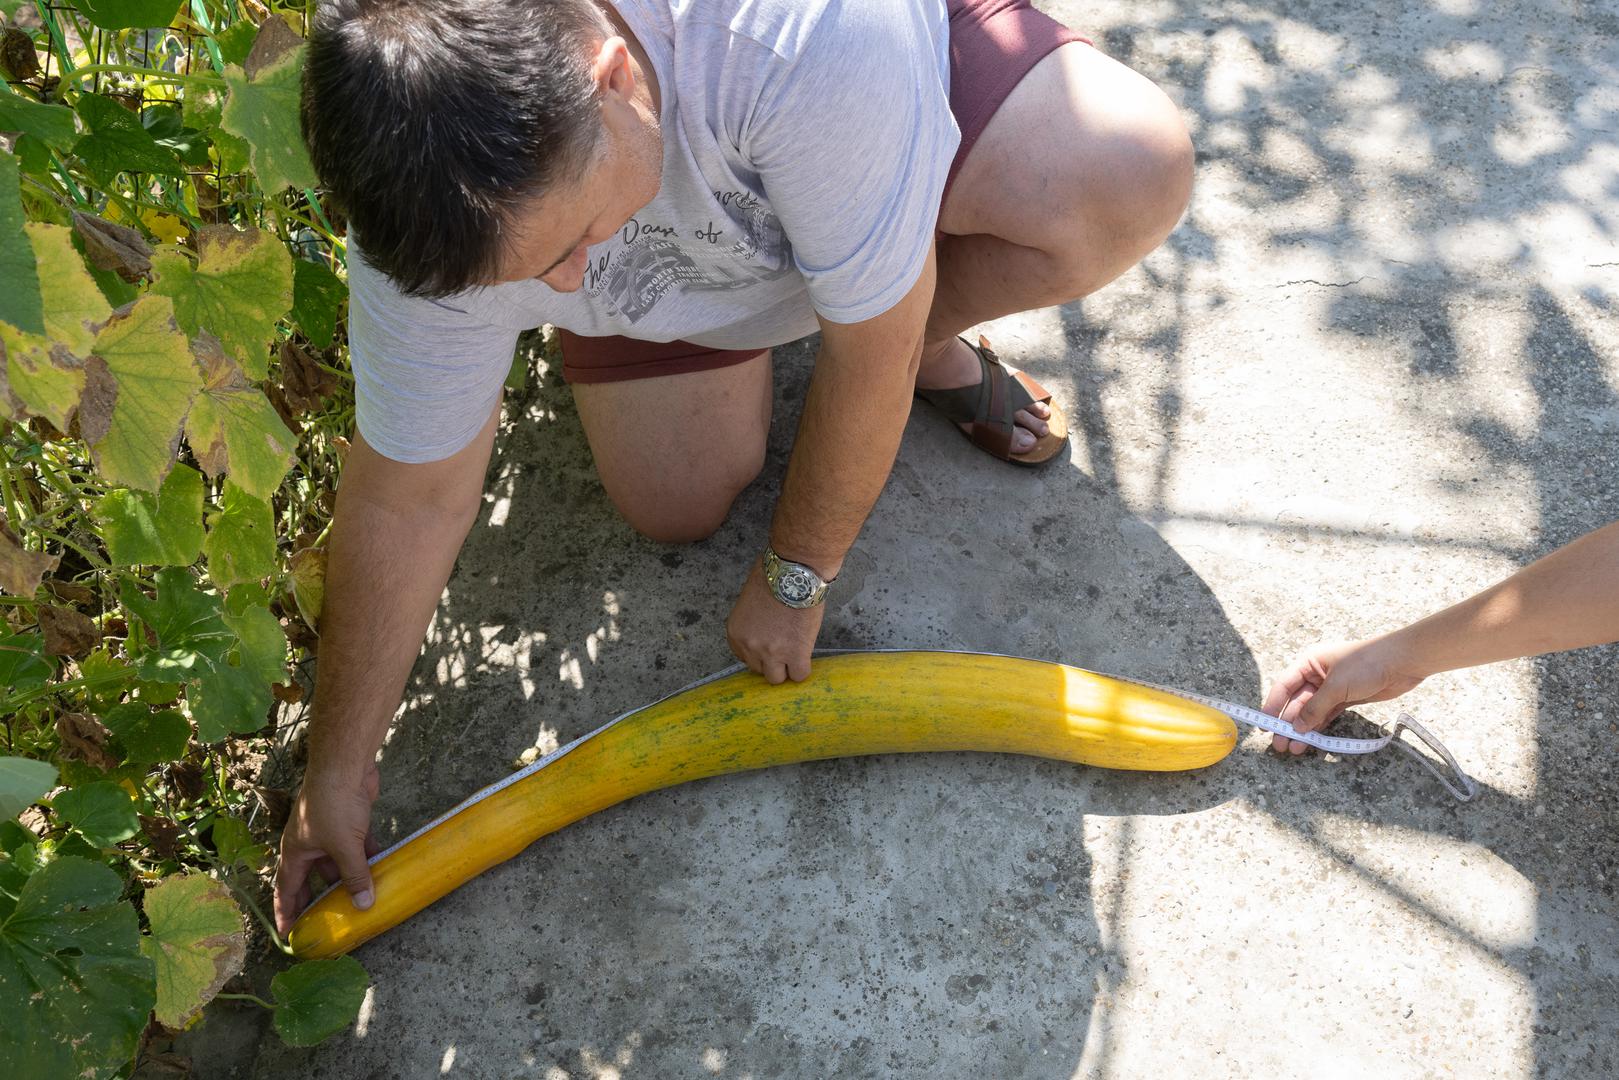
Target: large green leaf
50 124
20 301
241 539
102 812
23 782
234 429
263 108
47 373
224 680
75 310
156 378
262 647
236 845
236 41
24 664
75 990
118 143
196 944
164 529
317 297
204 107
317 998
143 737
112 679
123 14
237 291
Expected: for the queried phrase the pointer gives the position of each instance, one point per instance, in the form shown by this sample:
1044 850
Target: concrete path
1376 369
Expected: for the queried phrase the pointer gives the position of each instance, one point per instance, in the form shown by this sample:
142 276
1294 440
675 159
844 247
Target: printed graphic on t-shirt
720 256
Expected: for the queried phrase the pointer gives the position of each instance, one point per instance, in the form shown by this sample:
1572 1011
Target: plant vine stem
258 913
14 510
225 876
276 208
96 561
63 56
254 998
214 81
84 682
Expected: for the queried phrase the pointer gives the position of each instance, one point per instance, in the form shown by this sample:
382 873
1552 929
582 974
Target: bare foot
951 363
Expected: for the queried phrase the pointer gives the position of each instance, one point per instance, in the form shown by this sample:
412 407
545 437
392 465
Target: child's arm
1567 600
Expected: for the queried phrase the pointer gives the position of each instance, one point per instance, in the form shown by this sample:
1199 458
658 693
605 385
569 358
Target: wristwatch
794 584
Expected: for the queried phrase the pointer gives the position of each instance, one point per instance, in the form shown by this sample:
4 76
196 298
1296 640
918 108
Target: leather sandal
991 408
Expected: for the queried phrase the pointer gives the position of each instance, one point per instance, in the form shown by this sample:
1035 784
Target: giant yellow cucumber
853 704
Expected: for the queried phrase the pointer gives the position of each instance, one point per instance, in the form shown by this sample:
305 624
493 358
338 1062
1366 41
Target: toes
1028 421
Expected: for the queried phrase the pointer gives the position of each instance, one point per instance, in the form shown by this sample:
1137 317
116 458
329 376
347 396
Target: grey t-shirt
806 144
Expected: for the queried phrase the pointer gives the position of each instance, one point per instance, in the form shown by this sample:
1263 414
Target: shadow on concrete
934 915
917 915
1433 164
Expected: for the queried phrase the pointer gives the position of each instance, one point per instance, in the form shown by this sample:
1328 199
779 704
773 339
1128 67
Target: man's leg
1083 170
674 451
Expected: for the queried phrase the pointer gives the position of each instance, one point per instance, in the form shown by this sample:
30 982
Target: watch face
795 586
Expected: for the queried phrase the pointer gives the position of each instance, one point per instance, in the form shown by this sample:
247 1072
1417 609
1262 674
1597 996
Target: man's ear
611 70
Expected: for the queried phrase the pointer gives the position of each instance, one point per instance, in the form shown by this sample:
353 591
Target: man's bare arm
396 532
854 416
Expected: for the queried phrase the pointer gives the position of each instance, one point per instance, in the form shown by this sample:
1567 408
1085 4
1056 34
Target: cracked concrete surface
1376 369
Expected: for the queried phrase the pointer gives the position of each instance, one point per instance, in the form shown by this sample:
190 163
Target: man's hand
329 831
770 637
1331 678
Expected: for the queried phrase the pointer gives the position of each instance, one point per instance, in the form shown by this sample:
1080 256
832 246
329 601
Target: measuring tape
1457 782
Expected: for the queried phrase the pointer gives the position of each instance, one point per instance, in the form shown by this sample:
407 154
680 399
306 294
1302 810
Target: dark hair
432 121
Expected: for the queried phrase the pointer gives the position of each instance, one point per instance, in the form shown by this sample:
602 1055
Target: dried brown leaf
187 779
309 583
307 384
118 248
84 738
68 632
70 593
94 415
218 370
283 408
288 693
21 571
167 1064
275 39
163 835
41 426
301 637
277 805
18 55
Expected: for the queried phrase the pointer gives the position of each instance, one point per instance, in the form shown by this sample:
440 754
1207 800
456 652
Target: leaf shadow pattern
1380 180
866 917
1428 190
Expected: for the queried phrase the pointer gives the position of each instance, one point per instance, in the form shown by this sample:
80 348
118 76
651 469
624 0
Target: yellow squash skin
852 704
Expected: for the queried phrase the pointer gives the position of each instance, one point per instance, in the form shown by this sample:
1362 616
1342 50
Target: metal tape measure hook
1464 787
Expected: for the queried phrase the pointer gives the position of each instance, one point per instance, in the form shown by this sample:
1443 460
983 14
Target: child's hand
1328 679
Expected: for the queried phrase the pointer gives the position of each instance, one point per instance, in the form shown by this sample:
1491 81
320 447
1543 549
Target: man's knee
1135 185
679 514
1150 175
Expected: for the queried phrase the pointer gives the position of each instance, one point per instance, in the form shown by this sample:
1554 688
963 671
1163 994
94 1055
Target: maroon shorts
993 44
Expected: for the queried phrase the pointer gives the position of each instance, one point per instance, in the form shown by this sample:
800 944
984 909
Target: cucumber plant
174 392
